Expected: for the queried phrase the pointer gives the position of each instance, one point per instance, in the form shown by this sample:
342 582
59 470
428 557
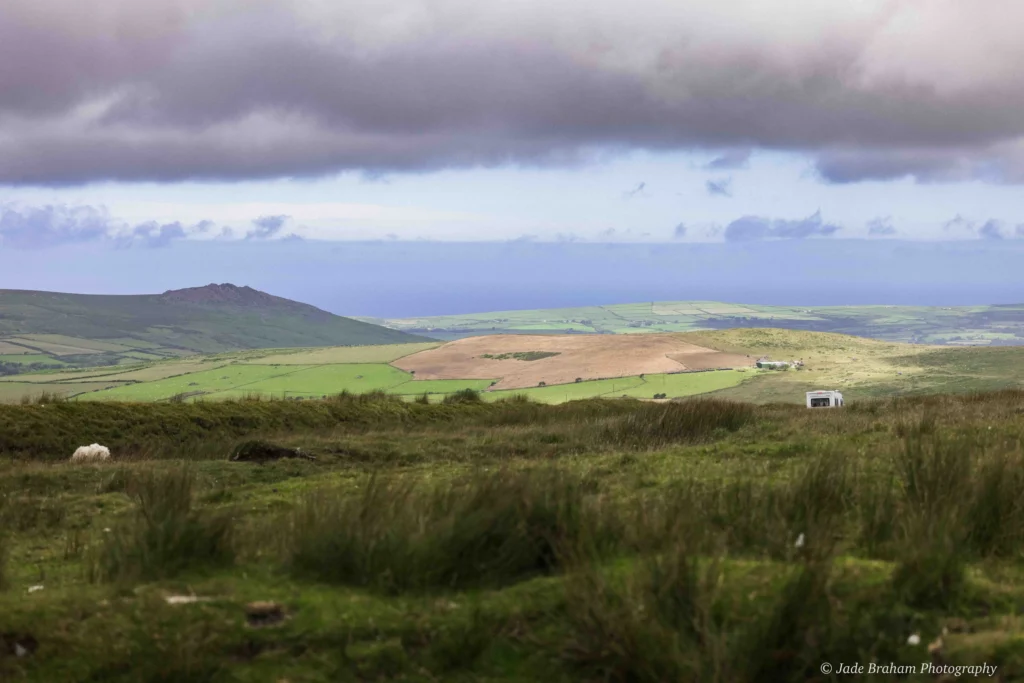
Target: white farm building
824 399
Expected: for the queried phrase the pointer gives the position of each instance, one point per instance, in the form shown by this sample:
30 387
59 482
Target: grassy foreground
701 540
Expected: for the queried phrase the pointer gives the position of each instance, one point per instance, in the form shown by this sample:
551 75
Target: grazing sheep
89 453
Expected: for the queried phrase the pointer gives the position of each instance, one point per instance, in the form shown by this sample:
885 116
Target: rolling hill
40 330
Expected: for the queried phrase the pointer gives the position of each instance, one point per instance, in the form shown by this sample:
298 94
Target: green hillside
952 325
44 330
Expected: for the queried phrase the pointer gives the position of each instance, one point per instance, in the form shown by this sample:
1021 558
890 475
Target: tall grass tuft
995 515
463 396
937 483
658 424
4 581
656 624
487 529
791 641
166 535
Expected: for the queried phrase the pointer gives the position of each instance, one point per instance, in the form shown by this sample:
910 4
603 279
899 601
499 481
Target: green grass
438 386
325 379
226 378
698 540
687 384
560 393
384 353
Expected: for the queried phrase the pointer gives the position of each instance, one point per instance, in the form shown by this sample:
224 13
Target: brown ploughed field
583 356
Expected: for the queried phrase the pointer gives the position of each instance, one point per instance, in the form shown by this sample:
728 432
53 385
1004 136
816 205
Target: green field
559 393
599 540
346 354
861 368
30 358
970 325
230 377
438 386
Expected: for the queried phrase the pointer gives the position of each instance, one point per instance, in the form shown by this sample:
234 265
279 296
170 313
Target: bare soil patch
579 356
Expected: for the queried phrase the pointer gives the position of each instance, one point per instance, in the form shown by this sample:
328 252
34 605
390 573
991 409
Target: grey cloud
958 223
638 190
1000 164
991 230
174 90
266 227
607 232
54 225
731 160
154 236
881 226
679 232
51 226
757 228
719 188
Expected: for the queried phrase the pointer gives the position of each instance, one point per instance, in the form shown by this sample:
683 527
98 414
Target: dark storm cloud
881 227
171 90
756 228
719 188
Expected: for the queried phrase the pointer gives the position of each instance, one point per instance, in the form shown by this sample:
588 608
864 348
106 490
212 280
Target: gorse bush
488 529
166 535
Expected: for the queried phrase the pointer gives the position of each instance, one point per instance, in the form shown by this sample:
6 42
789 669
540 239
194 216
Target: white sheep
89 453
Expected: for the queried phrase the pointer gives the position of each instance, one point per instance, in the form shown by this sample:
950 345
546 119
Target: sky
174 132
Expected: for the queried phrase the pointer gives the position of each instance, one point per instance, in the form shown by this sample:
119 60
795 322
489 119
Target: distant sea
400 279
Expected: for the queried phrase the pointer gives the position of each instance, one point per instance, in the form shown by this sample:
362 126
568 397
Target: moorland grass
166 535
488 529
601 540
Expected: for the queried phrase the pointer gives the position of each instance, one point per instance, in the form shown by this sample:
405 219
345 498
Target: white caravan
824 399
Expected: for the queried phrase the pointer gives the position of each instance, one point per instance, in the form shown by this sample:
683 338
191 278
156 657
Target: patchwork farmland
549 369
